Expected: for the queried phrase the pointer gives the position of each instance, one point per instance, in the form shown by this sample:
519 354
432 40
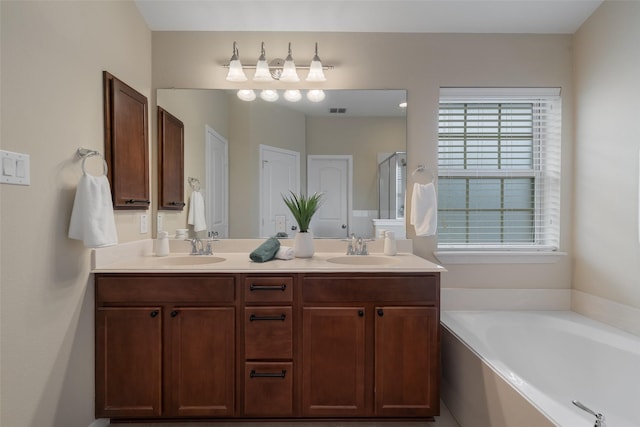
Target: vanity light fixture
263 74
289 73
316 73
278 69
236 73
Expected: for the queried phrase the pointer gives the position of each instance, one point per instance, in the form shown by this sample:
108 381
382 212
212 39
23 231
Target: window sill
498 257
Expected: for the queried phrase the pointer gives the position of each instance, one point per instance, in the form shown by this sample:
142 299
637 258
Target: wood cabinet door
333 360
170 161
128 362
202 350
406 361
126 144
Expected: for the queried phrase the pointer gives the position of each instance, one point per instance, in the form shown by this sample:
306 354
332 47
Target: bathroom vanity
315 338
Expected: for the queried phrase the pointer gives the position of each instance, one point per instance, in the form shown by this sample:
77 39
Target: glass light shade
269 95
236 73
263 74
315 72
315 95
292 95
289 73
246 94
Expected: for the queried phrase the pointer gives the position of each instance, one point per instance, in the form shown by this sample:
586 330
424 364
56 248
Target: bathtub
524 368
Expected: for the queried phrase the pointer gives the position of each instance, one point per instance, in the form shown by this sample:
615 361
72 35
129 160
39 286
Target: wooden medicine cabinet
170 161
126 144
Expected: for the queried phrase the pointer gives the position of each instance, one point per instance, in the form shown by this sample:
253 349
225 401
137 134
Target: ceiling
400 16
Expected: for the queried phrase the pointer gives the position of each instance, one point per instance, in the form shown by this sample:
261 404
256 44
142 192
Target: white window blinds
499 168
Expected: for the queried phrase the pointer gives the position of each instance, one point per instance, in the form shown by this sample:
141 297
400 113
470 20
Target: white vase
303 244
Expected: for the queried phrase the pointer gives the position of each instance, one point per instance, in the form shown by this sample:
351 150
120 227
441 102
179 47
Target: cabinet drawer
268 389
268 289
326 288
164 288
268 333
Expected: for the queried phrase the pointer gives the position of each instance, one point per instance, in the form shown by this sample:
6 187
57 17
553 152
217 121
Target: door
201 382
217 183
279 174
332 176
406 361
128 362
333 361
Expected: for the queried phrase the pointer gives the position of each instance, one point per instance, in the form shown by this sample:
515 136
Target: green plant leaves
303 208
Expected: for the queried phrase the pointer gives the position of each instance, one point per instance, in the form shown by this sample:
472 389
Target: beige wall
420 63
607 66
53 55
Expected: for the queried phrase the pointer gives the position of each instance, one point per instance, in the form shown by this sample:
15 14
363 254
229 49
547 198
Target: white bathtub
550 358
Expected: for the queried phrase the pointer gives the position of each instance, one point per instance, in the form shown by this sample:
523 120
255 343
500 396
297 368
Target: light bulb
269 95
292 95
246 94
315 95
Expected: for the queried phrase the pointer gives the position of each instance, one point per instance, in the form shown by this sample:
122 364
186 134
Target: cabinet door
333 360
128 362
202 348
170 161
126 144
406 361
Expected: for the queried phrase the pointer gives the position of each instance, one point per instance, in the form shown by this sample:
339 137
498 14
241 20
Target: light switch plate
280 224
144 224
14 168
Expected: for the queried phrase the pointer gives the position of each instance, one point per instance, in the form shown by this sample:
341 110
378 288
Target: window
499 169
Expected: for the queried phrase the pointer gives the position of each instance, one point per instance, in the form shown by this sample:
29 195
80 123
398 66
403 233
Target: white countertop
138 257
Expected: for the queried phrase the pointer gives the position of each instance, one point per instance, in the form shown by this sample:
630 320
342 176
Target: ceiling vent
337 110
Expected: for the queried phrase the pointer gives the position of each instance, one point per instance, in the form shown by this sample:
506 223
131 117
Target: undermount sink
189 260
362 260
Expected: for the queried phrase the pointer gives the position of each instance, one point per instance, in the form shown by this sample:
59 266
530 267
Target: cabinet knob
360 313
380 312
154 313
174 313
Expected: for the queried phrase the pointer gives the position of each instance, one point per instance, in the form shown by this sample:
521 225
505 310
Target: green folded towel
265 251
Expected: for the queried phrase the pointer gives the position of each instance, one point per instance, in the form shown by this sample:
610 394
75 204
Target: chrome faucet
599 417
200 247
357 246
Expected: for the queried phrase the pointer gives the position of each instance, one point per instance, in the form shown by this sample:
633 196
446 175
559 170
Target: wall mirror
247 153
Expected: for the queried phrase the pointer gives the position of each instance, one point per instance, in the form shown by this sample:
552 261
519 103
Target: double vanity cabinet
267 345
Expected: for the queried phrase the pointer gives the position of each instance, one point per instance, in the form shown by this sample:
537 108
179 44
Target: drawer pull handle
255 287
177 204
253 317
154 313
255 374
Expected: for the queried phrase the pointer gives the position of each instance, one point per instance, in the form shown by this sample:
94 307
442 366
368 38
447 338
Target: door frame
349 159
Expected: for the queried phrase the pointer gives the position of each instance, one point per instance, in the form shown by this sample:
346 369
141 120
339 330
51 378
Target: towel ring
422 168
92 154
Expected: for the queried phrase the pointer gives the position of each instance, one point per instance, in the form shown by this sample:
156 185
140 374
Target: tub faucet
599 417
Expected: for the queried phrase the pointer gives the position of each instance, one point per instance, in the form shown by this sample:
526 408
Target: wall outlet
144 224
281 224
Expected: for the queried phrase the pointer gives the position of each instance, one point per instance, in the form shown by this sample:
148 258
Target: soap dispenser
162 243
390 243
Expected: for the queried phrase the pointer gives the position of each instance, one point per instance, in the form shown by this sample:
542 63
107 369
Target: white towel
424 209
196 212
92 219
285 252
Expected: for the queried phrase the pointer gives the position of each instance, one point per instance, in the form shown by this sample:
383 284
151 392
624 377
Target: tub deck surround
338 337
538 361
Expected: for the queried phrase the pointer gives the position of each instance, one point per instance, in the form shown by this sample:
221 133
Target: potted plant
303 208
